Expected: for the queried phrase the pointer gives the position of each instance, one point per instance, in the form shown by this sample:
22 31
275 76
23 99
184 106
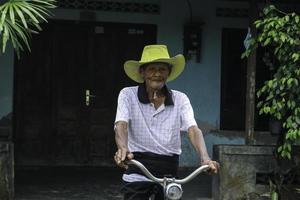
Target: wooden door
110 45
233 80
79 57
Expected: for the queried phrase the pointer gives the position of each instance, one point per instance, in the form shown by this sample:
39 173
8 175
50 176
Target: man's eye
151 68
163 69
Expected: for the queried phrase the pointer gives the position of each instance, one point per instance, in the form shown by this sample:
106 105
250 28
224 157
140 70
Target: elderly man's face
155 75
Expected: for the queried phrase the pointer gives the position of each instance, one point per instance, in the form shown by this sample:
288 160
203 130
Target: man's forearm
121 135
121 138
197 140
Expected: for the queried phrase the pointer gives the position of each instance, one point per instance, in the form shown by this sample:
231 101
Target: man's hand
214 166
120 157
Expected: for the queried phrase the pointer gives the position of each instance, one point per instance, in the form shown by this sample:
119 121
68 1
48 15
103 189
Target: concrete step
197 198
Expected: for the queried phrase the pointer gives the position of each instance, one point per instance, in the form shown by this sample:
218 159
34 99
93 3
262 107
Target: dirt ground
89 184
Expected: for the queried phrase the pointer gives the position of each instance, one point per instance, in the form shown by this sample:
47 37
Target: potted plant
278 34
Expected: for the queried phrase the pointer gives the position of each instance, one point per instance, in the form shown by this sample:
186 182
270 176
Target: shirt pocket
170 136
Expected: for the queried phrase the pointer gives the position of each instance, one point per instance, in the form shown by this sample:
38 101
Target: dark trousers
142 190
159 165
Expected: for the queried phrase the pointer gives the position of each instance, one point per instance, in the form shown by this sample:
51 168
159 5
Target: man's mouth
158 80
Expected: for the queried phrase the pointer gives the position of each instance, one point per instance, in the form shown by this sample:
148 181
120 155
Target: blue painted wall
200 81
6 82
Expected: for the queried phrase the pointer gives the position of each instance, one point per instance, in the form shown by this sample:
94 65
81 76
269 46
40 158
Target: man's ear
170 69
141 71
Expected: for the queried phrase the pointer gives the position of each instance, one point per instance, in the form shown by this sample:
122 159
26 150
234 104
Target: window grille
232 12
113 6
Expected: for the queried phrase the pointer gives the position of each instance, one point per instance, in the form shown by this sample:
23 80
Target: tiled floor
89 184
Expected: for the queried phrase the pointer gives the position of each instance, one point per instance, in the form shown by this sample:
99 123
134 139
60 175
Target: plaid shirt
154 130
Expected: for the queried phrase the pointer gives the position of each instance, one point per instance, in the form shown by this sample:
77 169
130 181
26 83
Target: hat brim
131 67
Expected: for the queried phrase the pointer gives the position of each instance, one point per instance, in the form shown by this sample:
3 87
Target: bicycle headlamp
174 191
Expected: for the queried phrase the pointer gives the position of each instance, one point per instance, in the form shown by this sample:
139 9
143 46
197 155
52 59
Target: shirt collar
143 96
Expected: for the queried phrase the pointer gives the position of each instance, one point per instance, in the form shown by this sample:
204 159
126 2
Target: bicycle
171 186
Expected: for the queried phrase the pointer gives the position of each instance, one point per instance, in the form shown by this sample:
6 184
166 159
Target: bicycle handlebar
161 180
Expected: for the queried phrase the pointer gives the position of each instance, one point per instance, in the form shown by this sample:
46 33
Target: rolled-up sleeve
187 114
123 108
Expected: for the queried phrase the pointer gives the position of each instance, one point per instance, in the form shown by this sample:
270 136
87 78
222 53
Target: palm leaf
14 33
12 36
29 13
22 34
3 14
40 9
21 16
19 19
35 12
37 26
5 38
47 4
12 13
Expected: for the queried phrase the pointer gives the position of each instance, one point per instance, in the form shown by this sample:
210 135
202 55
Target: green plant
19 19
273 195
278 33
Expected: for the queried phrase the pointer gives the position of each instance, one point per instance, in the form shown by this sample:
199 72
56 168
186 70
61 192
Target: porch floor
70 183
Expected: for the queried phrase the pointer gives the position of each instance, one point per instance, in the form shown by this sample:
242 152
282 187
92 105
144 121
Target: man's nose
157 72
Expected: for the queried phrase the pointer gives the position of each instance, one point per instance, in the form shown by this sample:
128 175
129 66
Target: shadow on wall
6 121
5 126
212 136
207 127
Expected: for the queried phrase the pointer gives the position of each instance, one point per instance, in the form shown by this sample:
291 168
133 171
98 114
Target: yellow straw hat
155 53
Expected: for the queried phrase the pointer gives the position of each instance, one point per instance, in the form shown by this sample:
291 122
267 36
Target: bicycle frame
171 186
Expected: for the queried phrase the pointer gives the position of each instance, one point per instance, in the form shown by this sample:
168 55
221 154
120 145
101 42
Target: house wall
6 82
200 81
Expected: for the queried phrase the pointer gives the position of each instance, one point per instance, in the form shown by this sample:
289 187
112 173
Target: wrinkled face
155 75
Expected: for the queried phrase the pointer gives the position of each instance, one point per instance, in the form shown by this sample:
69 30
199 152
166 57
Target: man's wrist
206 160
123 147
